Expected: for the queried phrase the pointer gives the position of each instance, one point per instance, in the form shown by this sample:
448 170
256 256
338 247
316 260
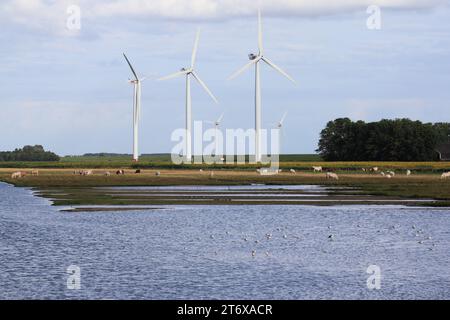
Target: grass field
57 180
163 161
69 189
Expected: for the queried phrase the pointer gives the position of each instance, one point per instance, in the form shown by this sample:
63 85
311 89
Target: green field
57 180
163 161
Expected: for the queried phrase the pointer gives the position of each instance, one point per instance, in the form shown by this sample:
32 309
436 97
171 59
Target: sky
67 88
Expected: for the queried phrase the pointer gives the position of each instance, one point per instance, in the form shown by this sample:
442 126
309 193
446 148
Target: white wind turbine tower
216 131
136 109
255 60
188 72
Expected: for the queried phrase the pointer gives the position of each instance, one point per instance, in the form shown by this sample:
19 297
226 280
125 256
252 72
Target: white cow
317 169
383 174
375 169
107 173
332 175
408 172
445 175
392 173
388 176
292 171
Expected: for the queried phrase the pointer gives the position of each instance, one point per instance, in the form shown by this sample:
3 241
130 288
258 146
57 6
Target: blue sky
68 90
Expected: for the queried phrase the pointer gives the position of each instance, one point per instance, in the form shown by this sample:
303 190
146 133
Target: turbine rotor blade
204 86
248 65
220 118
260 35
277 68
173 75
194 51
131 67
283 118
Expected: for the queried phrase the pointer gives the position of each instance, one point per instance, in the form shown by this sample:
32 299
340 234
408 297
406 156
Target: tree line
385 140
29 153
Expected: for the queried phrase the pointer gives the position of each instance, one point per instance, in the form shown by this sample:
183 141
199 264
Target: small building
443 151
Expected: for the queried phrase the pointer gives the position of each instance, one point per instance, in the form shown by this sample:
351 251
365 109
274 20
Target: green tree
386 140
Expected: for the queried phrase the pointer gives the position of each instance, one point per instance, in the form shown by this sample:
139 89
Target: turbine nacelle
252 56
186 71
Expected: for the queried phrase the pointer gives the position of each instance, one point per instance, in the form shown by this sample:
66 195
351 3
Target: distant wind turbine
136 109
188 72
279 125
216 130
255 60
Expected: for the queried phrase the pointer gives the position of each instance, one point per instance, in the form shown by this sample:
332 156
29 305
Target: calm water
199 252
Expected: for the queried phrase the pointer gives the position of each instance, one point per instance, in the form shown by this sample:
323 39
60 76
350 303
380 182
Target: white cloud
211 9
50 14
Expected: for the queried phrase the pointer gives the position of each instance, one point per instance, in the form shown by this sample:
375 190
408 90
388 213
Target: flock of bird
256 244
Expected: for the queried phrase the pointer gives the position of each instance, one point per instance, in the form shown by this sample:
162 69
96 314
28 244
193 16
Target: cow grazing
120 172
445 175
138 171
34 172
388 176
332 175
317 169
17 175
392 173
107 173
292 171
157 173
87 173
375 169
383 174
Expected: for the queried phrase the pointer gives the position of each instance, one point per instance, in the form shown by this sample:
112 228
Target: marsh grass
65 188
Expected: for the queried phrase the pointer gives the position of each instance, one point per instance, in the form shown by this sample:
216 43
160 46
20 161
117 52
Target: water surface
205 252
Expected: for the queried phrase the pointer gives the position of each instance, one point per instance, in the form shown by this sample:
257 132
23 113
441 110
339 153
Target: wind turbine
188 72
279 127
216 130
255 60
136 108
